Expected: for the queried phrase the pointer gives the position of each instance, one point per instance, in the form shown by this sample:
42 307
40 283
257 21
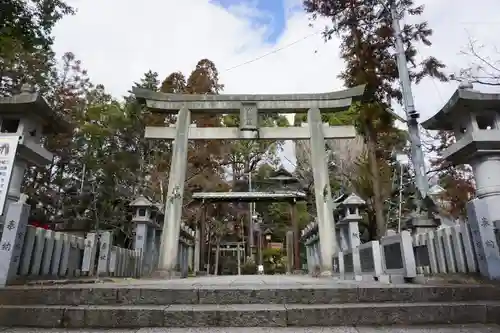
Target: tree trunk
371 138
378 204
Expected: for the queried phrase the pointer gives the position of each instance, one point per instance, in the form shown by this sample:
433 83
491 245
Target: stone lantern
349 223
24 119
474 118
145 225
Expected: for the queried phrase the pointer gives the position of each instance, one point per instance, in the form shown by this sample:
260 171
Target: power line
273 51
479 23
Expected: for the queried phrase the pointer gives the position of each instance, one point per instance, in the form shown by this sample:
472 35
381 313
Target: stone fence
399 257
404 256
104 259
40 254
447 250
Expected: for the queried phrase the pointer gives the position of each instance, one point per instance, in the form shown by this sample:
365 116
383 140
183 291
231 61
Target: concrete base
167 275
384 279
397 279
326 273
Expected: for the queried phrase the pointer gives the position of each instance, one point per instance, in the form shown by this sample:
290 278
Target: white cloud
119 40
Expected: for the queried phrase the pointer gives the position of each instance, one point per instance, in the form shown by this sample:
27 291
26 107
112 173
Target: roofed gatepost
474 118
248 107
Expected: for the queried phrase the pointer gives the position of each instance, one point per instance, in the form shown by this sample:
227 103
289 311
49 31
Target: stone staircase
122 306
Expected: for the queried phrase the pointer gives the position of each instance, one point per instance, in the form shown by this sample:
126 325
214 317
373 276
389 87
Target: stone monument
249 107
24 118
474 118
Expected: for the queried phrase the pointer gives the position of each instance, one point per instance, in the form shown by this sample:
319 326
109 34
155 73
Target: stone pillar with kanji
25 119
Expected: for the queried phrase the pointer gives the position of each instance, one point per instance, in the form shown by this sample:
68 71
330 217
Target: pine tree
367 46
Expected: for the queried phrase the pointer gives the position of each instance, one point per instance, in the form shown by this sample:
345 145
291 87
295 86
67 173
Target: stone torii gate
249 107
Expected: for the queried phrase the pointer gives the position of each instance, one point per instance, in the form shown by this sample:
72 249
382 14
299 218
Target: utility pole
417 155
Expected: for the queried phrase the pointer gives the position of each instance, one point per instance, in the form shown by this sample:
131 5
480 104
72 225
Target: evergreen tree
26 41
367 46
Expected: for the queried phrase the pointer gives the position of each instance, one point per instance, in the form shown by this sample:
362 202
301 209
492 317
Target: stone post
190 258
186 260
310 257
12 240
322 191
105 244
296 236
317 252
202 269
196 267
151 246
485 242
173 206
289 251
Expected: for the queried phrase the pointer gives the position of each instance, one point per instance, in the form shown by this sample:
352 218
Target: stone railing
313 253
49 254
403 256
399 257
101 258
310 237
447 250
361 263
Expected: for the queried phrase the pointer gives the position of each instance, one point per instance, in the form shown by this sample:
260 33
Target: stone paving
413 329
234 281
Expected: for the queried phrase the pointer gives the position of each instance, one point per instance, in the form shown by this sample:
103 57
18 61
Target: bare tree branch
482 69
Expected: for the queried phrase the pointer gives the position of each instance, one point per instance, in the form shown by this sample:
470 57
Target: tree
343 156
457 180
204 172
367 46
484 70
68 96
26 42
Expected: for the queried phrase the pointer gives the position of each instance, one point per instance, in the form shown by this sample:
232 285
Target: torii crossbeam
249 107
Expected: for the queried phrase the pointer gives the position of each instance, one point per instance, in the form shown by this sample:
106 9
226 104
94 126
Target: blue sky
269 13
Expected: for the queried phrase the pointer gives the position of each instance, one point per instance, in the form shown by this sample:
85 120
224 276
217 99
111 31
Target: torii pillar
249 107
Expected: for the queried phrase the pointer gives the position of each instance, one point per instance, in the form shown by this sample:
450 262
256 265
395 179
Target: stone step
162 296
475 328
249 315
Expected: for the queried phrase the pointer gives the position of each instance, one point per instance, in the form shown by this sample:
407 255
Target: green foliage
367 47
249 267
26 42
274 261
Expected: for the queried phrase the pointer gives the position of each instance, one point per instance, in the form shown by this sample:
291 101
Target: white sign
8 148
